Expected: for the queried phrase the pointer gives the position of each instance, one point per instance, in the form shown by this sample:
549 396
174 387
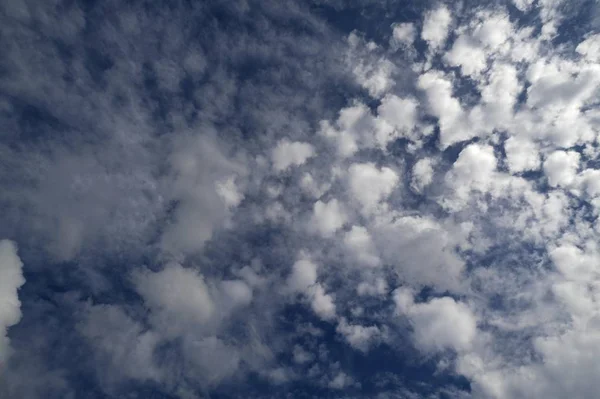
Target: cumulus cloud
287 154
441 323
403 34
560 167
328 217
168 304
436 27
422 174
371 70
211 195
371 185
357 336
359 243
303 276
11 279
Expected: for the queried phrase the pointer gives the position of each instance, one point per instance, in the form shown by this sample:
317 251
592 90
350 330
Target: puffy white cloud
422 174
467 54
379 287
303 280
351 122
199 182
357 127
528 303
321 302
560 167
590 48
371 185
493 30
11 278
473 171
403 34
420 250
590 182
328 217
436 27
359 337
178 298
441 323
521 155
359 243
499 96
229 192
288 153
443 105
236 293
312 187
523 5
304 275
400 114
372 72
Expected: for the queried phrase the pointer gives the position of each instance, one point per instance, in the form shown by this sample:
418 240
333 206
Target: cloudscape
300 199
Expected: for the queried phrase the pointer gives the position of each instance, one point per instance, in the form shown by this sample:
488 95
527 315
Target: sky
299 199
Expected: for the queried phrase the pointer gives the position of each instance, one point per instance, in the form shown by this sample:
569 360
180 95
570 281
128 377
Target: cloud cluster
241 200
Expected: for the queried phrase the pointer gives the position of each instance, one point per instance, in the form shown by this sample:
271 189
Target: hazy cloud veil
299 199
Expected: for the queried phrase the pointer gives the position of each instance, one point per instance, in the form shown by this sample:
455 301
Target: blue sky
299 199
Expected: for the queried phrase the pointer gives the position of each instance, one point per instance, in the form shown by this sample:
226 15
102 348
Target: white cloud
499 95
235 293
303 280
312 187
441 323
420 251
359 243
403 34
341 381
301 356
123 347
436 27
422 174
354 129
288 153
400 114
467 54
199 183
473 171
328 217
561 167
371 185
359 337
590 182
321 302
443 105
379 287
590 48
523 5
11 278
229 192
493 30
372 71
529 298
304 275
178 298
521 155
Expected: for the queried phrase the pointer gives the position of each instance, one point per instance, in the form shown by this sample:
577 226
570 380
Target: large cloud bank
256 200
